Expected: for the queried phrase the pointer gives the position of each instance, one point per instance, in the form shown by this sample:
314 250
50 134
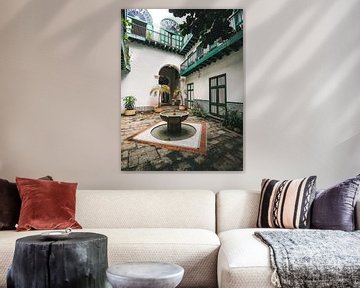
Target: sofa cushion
153 209
194 249
334 208
286 204
46 204
244 261
236 209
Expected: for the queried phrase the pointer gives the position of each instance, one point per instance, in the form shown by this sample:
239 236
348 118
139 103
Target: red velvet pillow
10 204
46 204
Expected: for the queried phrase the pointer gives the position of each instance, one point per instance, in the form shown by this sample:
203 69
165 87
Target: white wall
60 86
145 63
233 66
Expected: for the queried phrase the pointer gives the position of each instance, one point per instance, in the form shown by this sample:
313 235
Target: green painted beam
237 37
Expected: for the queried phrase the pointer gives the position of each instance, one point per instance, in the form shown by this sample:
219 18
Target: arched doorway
169 75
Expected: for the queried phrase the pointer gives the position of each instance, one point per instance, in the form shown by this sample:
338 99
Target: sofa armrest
357 215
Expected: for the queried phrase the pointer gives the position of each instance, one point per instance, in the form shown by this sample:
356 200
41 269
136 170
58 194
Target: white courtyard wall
233 66
145 64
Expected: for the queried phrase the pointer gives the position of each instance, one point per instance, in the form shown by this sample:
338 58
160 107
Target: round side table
80 261
145 275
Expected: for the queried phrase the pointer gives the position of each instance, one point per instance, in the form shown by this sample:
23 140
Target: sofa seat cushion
194 249
244 261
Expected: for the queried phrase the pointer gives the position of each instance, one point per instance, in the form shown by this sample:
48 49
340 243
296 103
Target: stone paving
224 148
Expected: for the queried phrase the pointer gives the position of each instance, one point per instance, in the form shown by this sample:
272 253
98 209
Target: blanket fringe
275 280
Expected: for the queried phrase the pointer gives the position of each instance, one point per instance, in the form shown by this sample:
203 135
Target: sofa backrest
146 209
239 209
236 209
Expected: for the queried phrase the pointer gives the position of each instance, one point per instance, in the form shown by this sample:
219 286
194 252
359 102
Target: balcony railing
163 37
196 55
140 31
236 22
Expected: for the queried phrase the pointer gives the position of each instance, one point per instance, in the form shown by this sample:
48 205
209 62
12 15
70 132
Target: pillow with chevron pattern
286 203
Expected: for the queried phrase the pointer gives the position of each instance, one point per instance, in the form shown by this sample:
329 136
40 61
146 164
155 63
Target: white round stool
145 275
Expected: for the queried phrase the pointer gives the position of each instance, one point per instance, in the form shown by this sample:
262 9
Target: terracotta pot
130 112
158 109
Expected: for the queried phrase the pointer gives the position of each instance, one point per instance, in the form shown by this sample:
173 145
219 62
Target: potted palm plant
158 91
129 104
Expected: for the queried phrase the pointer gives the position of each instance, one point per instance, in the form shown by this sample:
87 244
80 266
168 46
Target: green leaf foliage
206 25
129 102
233 119
197 110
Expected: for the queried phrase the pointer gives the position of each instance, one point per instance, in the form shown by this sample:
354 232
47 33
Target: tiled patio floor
224 148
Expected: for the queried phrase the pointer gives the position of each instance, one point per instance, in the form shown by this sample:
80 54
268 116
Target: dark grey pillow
334 208
9 205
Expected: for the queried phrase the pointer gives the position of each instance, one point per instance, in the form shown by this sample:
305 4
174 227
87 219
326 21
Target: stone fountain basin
173 120
174 115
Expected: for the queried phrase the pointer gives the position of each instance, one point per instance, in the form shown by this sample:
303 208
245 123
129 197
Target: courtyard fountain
174 129
173 120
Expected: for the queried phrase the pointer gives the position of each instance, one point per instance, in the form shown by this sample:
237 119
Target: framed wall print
182 89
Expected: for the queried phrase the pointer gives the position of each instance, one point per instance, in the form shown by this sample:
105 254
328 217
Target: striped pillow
286 204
